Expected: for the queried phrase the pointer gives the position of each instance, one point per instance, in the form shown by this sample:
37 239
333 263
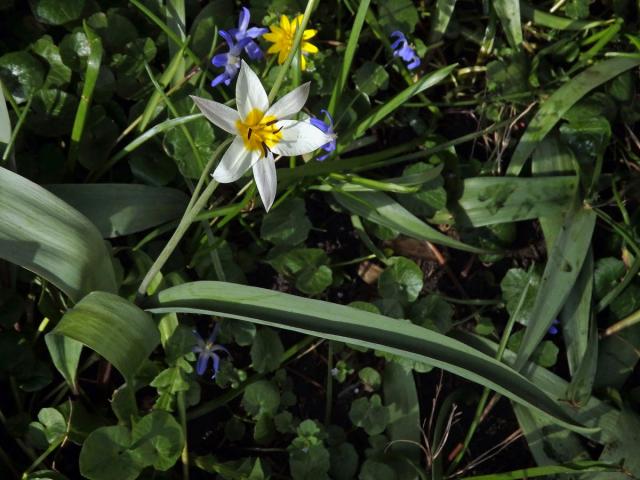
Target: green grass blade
349 52
560 274
41 233
380 208
383 111
544 19
508 12
400 394
550 470
176 21
493 200
113 327
580 334
441 18
561 101
345 324
90 78
119 209
140 140
5 123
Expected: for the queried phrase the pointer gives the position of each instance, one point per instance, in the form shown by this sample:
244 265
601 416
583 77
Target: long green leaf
443 10
380 208
561 101
493 200
508 12
41 233
347 57
121 209
580 334
549 471
401 396
388 107
113 327
560 274
345 324
90 79
545 19
5 123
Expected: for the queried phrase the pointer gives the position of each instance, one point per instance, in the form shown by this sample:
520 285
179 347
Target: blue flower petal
203 363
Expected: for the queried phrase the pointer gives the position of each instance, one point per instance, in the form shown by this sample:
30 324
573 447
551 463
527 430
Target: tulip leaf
41 233
349 325
122 209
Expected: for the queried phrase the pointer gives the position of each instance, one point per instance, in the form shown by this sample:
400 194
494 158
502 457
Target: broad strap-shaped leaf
561 101
41 233
380 208
563 267
114 328
345 324
493 200
119 209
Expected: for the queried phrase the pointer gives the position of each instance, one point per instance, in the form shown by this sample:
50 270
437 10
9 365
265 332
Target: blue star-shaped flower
230 60
244 33
328 129
402 49
207 351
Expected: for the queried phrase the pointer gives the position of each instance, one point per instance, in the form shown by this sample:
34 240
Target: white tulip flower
261 131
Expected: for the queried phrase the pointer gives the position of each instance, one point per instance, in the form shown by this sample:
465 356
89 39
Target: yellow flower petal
284 23
273 36
282 56
275 48
309 33
309 47
303 63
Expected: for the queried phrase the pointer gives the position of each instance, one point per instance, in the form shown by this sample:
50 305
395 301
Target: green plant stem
42 457
329 388
188 217
182 412
292 53
16 130
486 391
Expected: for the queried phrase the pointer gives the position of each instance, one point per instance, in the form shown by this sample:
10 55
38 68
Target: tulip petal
235 161
218 114
299 138
264 173
250 93
291 103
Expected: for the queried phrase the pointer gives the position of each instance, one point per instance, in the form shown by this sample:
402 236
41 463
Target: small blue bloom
402 49
328 129
207 350
553 330
230 60
244 33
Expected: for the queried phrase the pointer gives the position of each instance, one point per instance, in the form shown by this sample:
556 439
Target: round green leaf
57 12
401 281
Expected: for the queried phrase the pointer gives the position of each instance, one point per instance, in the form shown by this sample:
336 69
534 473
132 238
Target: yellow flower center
259 132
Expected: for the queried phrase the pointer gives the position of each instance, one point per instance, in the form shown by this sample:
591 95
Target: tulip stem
193 209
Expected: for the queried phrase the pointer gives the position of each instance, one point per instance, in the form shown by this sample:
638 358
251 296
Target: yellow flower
282 39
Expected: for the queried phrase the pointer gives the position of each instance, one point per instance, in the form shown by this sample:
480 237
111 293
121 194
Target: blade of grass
548 471
176 21
5 123
508 12
90 78
386 109
347 58
563 267
561 101
443 10
379 208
